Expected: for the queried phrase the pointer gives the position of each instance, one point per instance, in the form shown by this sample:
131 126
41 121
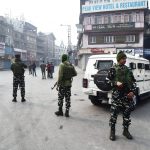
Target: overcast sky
46 15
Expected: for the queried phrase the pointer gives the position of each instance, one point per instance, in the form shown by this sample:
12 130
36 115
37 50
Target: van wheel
94 100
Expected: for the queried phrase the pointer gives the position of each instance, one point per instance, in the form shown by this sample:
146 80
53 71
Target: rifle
54 86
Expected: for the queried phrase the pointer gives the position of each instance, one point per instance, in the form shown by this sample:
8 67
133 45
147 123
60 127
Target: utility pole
69 48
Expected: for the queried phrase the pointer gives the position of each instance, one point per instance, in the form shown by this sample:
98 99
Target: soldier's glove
119 84
130 95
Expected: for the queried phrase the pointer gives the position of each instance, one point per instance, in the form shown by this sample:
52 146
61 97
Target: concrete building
41 47
110 26
30 34
6 43
45 47
20 37
59 51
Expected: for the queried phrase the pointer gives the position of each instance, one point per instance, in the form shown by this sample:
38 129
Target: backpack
69 72
18 68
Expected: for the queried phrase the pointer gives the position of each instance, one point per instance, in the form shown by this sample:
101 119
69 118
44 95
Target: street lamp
69 39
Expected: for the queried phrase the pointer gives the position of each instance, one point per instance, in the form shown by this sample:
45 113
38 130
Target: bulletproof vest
68 72
18 68
123 75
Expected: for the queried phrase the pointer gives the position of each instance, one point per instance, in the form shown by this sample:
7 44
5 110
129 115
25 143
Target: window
126 18
87 20
147 66
105 19
104 64
130 38
130 18
98 19
132 65
141 66
109 39
93 39
117 18
137 17
92 19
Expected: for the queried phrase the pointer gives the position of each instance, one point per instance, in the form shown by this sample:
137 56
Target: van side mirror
141 66
132 65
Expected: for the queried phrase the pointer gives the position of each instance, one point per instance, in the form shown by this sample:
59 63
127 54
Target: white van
93 84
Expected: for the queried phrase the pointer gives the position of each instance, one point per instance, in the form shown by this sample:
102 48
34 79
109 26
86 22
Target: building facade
110 26
20 37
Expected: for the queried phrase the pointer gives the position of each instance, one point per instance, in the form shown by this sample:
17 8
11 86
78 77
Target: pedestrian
51 70
34 69
43 68
30 69
48 70
64 83
18 69
123 92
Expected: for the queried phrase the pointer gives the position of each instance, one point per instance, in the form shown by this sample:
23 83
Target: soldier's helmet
121 55
17 56
64 57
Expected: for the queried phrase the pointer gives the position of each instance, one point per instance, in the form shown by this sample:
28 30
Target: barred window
130 38
109 39
93 39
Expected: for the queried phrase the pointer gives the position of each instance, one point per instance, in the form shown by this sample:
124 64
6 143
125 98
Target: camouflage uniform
64 83
18 81
18 77
120 101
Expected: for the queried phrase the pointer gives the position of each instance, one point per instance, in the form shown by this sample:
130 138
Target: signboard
113 5
139 51
103 50
113 26
126 50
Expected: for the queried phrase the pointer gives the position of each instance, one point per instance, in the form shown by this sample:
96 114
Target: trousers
64 92
18 82
121 104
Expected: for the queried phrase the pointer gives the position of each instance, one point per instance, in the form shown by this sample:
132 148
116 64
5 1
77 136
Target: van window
104 64
147 66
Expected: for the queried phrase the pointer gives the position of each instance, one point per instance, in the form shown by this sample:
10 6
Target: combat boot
14 99
67 113
59 112
23 99
112 134
127 134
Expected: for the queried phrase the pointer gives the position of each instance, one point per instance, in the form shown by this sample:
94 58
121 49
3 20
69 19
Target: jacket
62 81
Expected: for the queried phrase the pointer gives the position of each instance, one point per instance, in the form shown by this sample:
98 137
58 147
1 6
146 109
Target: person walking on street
30 68
18 78
64 83
34 69
48 70
51 70
123 92
43 68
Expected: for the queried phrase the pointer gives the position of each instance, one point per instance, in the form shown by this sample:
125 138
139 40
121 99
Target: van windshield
104 64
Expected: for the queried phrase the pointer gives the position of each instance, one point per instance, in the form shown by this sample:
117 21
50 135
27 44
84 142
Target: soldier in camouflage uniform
64 84
18 78
123 92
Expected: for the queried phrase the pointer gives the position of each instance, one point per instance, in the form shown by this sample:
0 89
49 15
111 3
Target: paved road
33 125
